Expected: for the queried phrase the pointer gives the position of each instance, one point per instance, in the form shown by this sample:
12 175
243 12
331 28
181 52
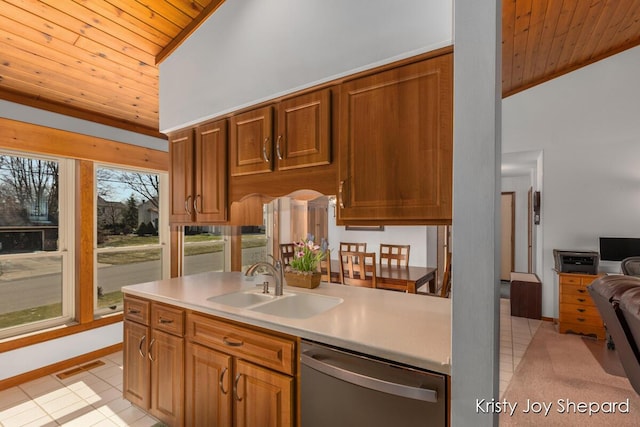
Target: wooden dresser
578 313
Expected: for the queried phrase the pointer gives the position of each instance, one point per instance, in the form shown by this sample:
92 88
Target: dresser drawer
574 291
137 310
580 310
168 319
264 349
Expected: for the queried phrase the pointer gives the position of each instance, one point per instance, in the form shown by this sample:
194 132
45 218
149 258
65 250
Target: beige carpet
560 371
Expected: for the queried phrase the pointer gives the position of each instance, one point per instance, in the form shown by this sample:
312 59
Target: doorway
507 212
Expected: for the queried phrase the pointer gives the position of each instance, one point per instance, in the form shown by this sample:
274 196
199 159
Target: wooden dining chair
445 290
358 269
394 255
287 250
353 247
324 267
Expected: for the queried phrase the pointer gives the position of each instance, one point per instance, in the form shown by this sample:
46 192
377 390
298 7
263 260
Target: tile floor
89 398
515 335
94 397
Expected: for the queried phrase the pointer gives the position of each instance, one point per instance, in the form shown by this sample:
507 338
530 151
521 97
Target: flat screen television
618 248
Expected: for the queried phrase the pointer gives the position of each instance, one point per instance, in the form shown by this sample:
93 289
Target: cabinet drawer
575 291
136 310
261 348
168 319
577 298
580 319
580 309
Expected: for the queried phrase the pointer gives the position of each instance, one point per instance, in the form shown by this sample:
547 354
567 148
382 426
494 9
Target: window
131 232
36 242
204 249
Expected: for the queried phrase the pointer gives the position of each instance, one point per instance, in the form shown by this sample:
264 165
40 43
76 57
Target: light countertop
406 328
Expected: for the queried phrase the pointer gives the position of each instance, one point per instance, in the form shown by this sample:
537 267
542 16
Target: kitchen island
184 344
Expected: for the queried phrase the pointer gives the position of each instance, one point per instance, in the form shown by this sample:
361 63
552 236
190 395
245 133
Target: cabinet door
167 377
136 364
250 141
262 397
304 131
208 380
181 176
210 195
395 143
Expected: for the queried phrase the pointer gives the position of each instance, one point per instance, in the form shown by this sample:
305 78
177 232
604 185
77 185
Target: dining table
408 279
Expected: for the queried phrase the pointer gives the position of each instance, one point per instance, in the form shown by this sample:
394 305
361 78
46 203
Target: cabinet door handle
165 321
278 147
231 343
264 150
235 388
142 340
153 341
133 311
186 205
340 199
195 204
221 382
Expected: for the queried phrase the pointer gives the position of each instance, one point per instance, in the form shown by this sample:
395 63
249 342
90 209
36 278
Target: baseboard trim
51 369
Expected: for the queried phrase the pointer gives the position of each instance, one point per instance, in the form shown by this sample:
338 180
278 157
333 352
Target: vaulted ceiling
98 59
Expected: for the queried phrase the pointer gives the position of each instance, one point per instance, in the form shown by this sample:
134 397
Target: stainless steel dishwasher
340 388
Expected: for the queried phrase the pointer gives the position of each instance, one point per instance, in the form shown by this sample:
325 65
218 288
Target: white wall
416 236
254 50
36 356
586 123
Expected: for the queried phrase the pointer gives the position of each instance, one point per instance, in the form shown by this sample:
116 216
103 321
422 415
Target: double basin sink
290 305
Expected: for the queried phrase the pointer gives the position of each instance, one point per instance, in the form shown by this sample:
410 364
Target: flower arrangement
307 255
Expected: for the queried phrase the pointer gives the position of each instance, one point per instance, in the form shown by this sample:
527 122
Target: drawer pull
134 311
165 321
581 310
221 382
235 388
581 299
580 319
150 347
142 340
231 343
582 291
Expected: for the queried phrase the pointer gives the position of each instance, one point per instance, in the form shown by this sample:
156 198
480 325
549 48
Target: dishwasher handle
423 394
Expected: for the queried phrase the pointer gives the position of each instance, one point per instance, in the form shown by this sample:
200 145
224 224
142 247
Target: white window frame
163 232
66 239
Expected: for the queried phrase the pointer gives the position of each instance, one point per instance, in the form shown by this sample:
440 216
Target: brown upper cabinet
395 145
198 174
301 138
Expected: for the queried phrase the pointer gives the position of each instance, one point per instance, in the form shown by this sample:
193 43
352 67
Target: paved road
21 293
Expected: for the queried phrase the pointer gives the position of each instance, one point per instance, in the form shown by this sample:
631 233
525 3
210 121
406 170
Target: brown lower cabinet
154 359
192 369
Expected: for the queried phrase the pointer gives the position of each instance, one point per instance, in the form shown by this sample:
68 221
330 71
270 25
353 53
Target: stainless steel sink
242 299
298 306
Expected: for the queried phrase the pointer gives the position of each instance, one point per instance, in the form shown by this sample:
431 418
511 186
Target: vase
303 280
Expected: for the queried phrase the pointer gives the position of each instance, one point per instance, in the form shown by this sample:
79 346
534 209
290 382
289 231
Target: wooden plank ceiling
97 59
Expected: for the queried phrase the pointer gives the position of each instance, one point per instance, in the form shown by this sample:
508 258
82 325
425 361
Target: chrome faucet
275 269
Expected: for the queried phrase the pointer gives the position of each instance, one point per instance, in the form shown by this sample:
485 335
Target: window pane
30 290
128 204
128 233
254 245
121 268
203 249
28 205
